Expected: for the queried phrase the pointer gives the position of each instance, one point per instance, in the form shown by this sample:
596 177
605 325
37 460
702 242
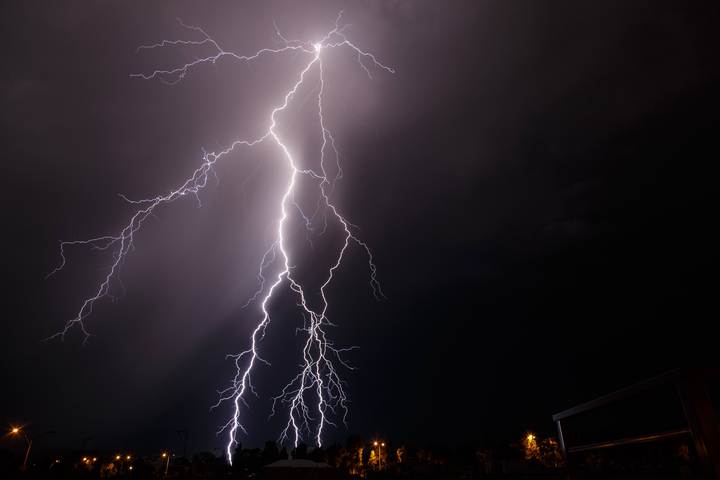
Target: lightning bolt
316 395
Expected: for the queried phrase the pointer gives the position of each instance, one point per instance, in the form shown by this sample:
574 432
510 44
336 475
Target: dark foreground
529 458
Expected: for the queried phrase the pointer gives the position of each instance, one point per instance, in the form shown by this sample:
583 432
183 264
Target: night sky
535 181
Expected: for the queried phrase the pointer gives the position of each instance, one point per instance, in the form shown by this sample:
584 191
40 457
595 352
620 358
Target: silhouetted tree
333 455
318 455
270 453
204 464
300 451
236 456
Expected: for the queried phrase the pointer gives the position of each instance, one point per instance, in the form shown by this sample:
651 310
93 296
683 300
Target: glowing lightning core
318 380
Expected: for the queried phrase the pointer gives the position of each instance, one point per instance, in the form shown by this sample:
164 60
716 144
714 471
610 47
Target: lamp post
379 446
18 431
375 444
119 457
166 456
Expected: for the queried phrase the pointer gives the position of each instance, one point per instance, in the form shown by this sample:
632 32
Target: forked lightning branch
315 397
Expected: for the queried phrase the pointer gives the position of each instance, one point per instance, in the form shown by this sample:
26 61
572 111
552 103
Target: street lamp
166 456
122 460
375 444
379 446
17 431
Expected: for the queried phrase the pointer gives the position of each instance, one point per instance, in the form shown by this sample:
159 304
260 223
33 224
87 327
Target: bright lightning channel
318 380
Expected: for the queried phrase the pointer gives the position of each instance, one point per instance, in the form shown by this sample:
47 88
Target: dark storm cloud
530 180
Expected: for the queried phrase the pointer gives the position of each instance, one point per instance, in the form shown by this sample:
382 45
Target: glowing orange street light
166 456
380 445
122 460
17 431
